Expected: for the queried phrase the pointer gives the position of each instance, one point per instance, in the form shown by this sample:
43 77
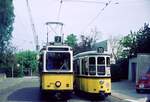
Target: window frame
94 65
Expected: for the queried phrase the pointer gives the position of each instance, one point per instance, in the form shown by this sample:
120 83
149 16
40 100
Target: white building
138 66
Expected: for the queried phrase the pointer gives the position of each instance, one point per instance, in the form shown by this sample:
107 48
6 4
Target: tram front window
57 61
92 66
101 66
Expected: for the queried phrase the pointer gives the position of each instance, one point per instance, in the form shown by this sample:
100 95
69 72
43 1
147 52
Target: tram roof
60 23
46 48
88 53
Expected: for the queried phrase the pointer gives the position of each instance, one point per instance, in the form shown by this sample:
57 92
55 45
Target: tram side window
92 66
84 69
101 60
76 66
108 61
100 65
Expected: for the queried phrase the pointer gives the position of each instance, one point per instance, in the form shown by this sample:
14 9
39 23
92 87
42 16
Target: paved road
126 90
28 91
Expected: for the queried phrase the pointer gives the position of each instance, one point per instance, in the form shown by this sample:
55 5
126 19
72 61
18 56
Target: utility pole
12 71
33 27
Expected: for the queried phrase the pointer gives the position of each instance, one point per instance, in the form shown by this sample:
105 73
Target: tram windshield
58 61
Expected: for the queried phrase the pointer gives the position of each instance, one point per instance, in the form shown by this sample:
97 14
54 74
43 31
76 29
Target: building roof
101 44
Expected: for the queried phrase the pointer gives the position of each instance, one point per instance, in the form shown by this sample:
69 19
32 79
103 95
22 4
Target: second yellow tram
92 73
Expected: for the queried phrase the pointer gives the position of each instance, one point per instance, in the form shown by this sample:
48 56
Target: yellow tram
92 73
56 70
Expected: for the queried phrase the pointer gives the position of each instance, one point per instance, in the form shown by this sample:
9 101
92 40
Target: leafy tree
6 27
85 44
9 61
143 39
71 40
27 61
137 42
129 44
133 43
6 23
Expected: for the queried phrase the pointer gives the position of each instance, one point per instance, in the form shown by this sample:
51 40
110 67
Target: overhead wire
97 2
85 1
33 26
21 23
58 16
53 29
59 10
106 5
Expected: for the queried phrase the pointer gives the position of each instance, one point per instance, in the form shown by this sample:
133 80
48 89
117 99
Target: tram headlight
57 83
101 81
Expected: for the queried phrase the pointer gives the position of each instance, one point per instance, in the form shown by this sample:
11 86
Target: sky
117 19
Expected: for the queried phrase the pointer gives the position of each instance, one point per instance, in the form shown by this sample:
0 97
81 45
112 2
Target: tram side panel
91 84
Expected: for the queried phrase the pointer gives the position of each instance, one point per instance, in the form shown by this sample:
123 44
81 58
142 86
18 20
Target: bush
115 72
123 64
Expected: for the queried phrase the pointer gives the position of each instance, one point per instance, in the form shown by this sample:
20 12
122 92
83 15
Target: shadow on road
31 94
25 94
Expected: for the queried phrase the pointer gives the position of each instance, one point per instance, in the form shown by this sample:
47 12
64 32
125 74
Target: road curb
121 96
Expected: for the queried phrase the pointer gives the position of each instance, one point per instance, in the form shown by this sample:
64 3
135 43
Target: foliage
115 72
71 40
6 28
123 65
6 23
27 61
137 42
85 44
133 43
119 70
129 43
143 39
8 61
